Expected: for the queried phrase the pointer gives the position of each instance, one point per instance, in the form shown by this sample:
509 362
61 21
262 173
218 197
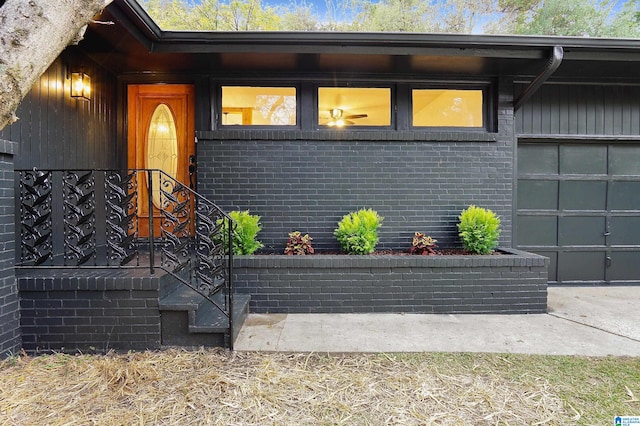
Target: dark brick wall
419 181
78 310
9 306
506 284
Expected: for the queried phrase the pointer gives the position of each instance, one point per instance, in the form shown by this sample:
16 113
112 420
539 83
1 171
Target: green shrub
245 232
357 232
479 229
298 244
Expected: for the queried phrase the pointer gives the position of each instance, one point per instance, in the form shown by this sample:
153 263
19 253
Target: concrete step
189 319
209 319
182 298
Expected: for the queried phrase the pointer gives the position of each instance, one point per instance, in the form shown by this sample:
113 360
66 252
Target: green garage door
579 204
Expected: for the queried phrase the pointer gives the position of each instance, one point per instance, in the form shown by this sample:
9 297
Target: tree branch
32 35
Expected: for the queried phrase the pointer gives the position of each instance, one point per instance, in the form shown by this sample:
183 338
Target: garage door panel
538 230
583 195
553 263
625 266
538 159
625 230
624 160
579 205
581 266
624 195
538 194
580 230
583 159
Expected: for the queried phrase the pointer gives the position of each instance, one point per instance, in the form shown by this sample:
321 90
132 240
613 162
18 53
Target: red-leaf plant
423 245
298 244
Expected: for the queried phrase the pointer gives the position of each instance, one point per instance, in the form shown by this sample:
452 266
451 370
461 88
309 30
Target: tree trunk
32 35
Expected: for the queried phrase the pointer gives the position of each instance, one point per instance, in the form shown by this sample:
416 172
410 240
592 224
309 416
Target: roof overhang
136 44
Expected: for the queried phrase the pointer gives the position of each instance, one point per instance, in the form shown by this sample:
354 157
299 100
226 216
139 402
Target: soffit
134 44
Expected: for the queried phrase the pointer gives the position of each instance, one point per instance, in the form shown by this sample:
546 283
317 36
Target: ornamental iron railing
100 219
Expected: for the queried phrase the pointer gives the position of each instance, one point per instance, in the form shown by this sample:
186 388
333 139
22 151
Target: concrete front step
188 319
182 298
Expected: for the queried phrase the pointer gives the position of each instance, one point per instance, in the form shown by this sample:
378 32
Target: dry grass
177 387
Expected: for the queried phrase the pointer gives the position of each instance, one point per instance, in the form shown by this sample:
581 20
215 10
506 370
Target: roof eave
349 42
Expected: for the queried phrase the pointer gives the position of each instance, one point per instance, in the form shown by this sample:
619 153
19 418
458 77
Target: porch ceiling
135 44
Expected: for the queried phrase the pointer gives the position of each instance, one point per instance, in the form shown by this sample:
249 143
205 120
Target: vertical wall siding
55 131
581 110
309 185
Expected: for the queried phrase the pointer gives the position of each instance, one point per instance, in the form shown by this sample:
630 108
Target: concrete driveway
591 321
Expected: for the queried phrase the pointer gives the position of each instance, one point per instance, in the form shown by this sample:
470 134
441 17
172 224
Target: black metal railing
101 219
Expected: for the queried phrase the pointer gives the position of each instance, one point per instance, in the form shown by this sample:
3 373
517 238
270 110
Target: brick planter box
512 283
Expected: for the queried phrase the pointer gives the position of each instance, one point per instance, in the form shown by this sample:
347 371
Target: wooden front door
161 135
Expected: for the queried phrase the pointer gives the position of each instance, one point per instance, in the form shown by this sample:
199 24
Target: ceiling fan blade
355 116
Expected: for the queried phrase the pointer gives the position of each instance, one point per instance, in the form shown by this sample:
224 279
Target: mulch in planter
440 252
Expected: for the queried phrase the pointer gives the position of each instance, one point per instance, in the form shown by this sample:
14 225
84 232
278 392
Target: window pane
354 106
258 106
447 108
162 148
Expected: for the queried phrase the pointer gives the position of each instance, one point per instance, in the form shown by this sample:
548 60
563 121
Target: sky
319 7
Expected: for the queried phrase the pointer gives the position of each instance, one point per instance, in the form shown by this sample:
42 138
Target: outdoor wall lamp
80 86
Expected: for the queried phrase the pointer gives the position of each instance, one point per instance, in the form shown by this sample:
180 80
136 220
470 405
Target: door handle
606 234
193 166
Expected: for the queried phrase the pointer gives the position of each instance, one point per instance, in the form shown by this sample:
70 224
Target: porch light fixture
80 86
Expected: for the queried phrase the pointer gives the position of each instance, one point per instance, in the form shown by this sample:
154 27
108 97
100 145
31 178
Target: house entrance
578 204
161 135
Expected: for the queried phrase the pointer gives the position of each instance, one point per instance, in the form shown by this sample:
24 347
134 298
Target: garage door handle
608 261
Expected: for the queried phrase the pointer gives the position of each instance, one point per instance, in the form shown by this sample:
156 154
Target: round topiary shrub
478 229
357 232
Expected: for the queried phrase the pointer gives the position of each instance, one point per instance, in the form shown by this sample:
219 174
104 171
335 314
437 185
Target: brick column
10 336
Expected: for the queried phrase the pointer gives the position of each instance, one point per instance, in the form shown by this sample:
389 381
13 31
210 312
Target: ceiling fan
338 118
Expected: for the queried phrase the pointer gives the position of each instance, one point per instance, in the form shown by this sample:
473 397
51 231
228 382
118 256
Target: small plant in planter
245 232
479 230
357 232
298 244
423 245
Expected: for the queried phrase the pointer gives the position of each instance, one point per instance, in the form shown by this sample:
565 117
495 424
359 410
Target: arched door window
162 148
